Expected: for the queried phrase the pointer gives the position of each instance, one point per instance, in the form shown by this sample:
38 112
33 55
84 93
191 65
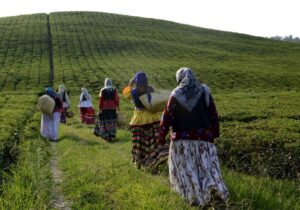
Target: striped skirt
106 125
195 171
145 150
87 115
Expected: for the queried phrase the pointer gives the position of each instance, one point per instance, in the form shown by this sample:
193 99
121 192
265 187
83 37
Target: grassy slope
24 58
87 47
91 46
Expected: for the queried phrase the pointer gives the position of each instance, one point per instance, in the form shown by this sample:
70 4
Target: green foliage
15 109
28 183
24 57
260 133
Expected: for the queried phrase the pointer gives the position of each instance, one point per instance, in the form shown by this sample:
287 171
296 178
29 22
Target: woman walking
144 124
86 107
193 163
107 118
64 97
50 123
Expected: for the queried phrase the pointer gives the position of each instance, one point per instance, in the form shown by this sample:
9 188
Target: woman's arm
165 123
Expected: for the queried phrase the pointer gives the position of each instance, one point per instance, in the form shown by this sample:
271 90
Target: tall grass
28 184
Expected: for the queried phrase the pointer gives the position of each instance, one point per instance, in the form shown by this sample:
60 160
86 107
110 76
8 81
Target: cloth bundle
46 104
158 101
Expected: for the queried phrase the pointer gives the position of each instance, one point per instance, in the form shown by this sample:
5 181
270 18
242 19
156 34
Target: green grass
28 183
15 109
101 175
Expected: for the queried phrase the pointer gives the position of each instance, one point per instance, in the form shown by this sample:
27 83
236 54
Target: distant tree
276 37
289 38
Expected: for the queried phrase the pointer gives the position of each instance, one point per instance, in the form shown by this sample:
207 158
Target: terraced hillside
24 52
88 47
255 83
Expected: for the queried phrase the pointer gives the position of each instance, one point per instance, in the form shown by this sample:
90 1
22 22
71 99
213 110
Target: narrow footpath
59 201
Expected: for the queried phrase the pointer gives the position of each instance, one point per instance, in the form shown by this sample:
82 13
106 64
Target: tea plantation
255 82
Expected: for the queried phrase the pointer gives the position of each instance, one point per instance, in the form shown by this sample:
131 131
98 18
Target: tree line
289 38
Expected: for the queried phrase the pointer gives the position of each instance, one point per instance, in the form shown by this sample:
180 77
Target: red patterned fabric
87 115
109 104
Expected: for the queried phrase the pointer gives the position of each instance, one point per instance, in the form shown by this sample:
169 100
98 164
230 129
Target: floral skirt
195 171
106 125
87 115
63 116
145 150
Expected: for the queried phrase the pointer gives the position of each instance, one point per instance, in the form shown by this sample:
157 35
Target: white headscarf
63 95
85 93
189 90
61 88
108 83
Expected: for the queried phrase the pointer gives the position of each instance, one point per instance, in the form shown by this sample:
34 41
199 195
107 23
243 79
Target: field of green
255 83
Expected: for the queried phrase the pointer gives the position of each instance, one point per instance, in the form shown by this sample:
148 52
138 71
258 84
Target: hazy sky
255 17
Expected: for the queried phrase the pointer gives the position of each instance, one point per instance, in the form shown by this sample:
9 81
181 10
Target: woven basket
70 114
158 102
46 104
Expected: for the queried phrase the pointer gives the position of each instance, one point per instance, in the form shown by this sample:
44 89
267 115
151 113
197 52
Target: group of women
191 117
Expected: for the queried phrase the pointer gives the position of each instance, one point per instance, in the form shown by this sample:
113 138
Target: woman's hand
132 82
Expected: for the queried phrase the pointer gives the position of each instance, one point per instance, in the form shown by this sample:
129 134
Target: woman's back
199 117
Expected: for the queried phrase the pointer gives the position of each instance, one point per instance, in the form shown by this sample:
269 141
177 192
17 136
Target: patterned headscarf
108 85
189 89
142 87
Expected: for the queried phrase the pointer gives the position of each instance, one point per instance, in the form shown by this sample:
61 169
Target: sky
264 18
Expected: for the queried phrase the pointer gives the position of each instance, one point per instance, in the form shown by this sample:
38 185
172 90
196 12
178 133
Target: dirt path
58 199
